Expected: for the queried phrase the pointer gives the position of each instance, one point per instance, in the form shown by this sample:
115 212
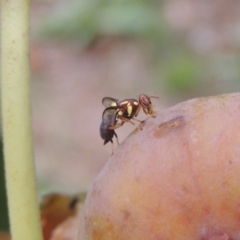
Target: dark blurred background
82 51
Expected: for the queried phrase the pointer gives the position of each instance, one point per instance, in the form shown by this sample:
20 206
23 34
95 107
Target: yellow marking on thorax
113 104
124 102
129 110
135 103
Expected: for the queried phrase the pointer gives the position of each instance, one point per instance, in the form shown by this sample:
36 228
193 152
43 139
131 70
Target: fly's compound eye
144 100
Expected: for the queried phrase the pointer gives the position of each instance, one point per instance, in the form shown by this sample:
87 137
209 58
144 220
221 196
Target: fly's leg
116 137
117 125
125 120
137 111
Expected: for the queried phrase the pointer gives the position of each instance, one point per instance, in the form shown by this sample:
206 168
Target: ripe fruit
178 178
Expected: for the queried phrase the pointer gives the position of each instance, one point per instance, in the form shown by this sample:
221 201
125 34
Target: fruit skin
177 179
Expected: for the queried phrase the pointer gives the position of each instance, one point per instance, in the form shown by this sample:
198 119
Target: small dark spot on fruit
126 214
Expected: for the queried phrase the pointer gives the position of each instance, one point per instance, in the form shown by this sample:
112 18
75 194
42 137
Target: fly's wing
109 102
110 116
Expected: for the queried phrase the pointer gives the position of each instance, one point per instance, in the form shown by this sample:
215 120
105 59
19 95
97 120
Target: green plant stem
16 112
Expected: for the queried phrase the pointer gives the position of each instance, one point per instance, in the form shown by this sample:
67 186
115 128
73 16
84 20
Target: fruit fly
129 108
109 119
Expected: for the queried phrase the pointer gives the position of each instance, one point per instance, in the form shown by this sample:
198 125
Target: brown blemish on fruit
100 228
166 127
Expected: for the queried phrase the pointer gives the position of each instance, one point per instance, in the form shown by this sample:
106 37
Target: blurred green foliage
175 61
89 19
181 73
140 19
